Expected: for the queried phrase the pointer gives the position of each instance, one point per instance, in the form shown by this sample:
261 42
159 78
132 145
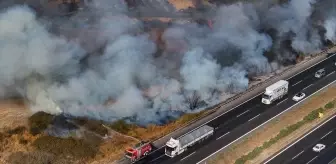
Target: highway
301 151
327 157
246 117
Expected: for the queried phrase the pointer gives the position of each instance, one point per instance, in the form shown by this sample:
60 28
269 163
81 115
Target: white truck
177 146
275 91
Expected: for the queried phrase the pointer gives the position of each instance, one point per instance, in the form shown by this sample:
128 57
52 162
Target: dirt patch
270 130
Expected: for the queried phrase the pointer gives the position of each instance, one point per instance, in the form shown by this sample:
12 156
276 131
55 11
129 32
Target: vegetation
92 125
76 148
152 132
39 122
285 132
30 158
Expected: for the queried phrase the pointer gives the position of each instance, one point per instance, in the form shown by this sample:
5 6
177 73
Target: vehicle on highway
177 146
275 91
299 96
320 73
318 147
140 150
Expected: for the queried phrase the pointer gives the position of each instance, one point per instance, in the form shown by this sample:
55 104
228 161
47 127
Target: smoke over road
102 64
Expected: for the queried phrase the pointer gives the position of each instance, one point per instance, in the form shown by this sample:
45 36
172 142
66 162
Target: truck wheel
146 153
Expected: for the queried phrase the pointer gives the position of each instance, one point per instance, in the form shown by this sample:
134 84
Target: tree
193 100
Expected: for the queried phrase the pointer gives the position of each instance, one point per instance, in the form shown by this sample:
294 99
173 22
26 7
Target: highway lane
250 109
301 151
202 152
328 156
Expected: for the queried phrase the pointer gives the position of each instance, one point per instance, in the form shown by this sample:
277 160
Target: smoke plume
102 64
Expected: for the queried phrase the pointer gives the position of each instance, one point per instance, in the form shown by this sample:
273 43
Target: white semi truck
177 146
275 91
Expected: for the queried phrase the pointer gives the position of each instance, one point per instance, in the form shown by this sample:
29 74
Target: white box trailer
275 91
177 146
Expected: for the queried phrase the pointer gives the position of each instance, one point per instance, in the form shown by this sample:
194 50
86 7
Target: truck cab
172 147
267 98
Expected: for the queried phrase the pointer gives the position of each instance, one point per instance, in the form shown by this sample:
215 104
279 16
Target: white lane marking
297 83
243 113
254 117
298 154
157 157
326 134
188 155
281 101
312 159
222 136
334 142
332 160
331 73
307 86
266 123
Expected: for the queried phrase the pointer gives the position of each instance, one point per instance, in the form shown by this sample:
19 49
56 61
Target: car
320 73
299 96
318 147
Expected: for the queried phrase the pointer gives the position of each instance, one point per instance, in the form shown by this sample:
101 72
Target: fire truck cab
140 150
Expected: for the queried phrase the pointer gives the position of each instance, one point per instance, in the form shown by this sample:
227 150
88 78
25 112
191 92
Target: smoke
102 64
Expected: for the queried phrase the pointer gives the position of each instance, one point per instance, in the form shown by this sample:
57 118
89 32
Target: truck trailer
177 146
275 92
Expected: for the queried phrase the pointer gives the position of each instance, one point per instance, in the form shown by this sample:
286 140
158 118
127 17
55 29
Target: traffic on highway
241 120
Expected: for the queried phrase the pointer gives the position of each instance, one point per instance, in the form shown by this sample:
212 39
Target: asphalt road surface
242 119
302 152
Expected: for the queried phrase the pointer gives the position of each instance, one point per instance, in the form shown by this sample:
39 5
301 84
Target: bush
39 122
241 160
311 116
330 105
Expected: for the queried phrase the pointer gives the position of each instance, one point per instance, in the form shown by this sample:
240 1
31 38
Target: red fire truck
138 151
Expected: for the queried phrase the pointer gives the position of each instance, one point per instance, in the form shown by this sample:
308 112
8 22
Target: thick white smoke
104 66
330 26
